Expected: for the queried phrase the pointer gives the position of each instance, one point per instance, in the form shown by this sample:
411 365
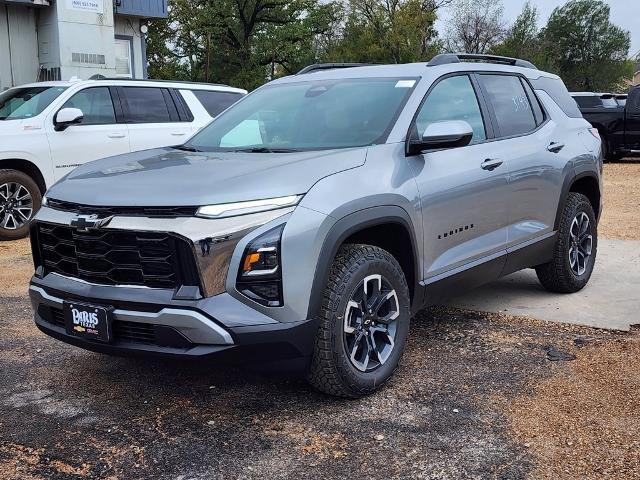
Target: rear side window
452 99
559 94
216 102
146 105
538 113
510 104
96 105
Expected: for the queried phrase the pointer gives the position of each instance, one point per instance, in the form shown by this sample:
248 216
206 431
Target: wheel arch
586 183
387 227
28 168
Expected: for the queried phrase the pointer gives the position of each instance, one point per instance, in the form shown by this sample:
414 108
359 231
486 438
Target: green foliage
387 31
245 43
584 47
521 40
239 42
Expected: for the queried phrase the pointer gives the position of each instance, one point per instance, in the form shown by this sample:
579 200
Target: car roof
408 70
140 83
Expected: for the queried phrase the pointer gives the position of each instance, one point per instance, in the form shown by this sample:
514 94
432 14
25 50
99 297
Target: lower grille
144 333
116 257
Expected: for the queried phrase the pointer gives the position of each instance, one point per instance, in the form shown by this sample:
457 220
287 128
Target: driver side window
452 99
96 104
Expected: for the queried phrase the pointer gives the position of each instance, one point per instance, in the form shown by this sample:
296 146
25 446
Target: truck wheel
20 199
574 253
364 323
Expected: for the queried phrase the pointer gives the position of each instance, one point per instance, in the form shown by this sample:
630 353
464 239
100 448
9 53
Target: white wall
18 46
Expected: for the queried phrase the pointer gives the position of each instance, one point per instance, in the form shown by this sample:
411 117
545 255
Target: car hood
172 177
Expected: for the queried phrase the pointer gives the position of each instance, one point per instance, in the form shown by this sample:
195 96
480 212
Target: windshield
27 102
309 115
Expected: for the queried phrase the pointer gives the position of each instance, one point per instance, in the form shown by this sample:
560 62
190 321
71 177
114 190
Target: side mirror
67 117
446 134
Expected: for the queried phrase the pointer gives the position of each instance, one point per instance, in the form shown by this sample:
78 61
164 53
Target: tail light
595 133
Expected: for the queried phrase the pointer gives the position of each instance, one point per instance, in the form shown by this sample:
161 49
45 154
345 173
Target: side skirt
437 289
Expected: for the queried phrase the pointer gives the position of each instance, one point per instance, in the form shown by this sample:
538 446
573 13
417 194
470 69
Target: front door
99 134
463 190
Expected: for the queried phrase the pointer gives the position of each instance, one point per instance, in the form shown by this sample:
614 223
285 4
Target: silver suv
309 221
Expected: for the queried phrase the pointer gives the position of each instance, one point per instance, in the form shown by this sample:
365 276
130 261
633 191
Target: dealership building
60 39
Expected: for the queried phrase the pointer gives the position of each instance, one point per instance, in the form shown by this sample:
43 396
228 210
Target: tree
521 40
476 26
240 42
387 31
584 47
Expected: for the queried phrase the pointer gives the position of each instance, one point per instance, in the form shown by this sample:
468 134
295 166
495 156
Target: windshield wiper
186 148
267 150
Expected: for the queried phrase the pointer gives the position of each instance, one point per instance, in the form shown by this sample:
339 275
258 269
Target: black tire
332 370
18 178
558 275
606 152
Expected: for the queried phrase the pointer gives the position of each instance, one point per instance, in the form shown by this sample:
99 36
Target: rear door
463 202
536 150
101 133
632 123
152 117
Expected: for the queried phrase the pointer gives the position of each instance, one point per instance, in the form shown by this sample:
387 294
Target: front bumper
148 322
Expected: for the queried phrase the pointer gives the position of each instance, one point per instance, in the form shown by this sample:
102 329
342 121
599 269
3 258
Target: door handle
491 164
116 135
555 147
178 134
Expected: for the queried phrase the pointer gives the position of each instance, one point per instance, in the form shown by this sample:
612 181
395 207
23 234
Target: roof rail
329 66
99 76
446 58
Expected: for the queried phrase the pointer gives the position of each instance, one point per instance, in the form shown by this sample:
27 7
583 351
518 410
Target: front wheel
364 323
575 249
20 199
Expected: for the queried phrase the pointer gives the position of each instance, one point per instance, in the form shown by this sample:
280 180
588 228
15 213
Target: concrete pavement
611 299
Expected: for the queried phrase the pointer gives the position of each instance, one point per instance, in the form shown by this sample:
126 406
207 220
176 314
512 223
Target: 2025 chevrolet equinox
310 220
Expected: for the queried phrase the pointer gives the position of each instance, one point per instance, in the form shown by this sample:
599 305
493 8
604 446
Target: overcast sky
624 13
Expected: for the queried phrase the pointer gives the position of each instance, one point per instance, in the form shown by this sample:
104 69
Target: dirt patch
584 421
620 217
16 267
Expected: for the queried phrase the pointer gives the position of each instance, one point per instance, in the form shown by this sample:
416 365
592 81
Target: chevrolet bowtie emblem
84 223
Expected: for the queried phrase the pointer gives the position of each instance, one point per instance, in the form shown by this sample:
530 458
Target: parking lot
478 395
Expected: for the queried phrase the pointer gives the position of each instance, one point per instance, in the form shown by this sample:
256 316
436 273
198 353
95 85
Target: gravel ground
620 217
476 396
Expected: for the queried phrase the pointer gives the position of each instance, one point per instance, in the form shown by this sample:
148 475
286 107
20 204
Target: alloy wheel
581 243
16 206
370 323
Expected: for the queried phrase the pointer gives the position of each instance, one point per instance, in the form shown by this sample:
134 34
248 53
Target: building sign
95 6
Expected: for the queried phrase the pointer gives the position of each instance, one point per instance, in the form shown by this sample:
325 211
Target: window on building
452 99
124 64
510 103
145 105
216 102
96 105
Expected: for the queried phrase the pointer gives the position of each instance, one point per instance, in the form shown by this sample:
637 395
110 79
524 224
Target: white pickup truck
49 128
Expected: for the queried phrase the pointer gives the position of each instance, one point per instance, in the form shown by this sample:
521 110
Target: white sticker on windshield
405 83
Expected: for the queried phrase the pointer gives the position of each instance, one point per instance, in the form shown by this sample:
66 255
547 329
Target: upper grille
117 257
128 211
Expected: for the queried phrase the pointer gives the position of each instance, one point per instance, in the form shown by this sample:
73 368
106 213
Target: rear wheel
575 249
20 199
363 324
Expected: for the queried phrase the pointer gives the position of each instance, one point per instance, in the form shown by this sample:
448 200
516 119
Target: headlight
243 208
260 274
